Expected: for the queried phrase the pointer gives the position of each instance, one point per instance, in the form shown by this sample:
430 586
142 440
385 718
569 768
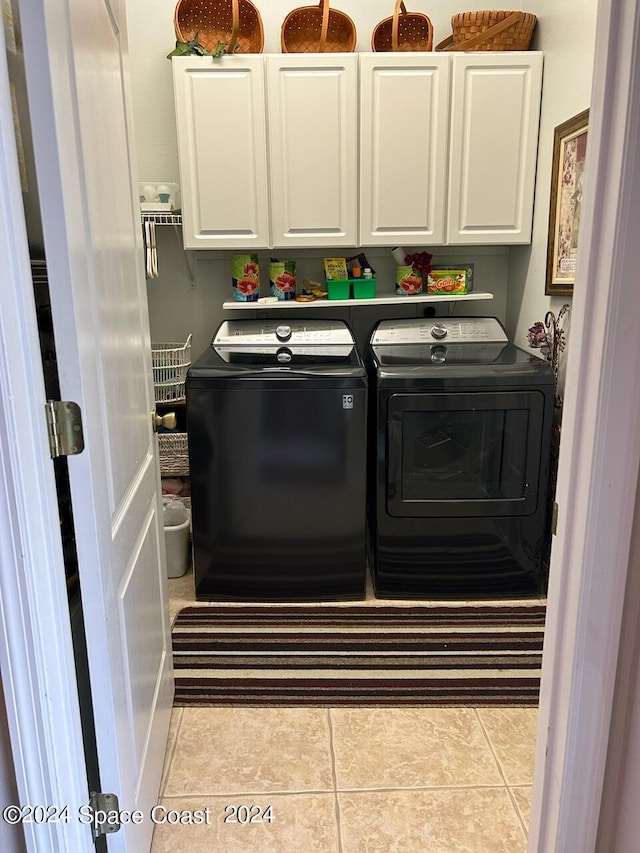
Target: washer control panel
309 333
439 331
462 330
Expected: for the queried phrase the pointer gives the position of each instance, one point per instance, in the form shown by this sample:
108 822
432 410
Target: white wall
566 33
516 276
151 37
178 307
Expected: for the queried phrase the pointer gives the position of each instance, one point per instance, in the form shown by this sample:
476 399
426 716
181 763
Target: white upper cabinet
404 134
221 124
495 111
372 149
313 139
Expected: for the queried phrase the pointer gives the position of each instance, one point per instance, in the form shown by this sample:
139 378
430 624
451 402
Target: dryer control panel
461 330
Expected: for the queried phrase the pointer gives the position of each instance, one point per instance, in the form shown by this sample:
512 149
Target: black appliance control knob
284 356
283 332
439 331
438 355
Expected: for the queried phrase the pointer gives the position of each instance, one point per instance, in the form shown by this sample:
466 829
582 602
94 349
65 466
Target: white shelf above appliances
392 299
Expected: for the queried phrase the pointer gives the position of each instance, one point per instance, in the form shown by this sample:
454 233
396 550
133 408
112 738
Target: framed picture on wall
565 208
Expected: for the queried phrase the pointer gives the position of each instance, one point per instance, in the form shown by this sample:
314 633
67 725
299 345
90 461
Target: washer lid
449 330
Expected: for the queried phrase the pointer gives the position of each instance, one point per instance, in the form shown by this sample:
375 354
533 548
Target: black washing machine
461 424
276 420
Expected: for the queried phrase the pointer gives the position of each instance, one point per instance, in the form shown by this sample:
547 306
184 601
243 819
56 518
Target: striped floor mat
353 655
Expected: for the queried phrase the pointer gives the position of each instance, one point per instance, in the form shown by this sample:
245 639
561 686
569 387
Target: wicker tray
403 31
490 30
236 22
317 29
174 454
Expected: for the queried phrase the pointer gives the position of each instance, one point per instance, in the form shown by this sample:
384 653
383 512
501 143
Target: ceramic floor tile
522 796
512 733
230 750
452 820
410 748
301 822
181 594
176 717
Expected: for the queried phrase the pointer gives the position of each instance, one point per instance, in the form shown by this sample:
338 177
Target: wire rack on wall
171 218
149 221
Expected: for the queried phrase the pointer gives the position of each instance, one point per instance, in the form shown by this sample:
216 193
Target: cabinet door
494 139
221 125
313 120
404 125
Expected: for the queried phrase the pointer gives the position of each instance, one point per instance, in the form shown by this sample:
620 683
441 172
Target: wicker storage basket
403 31
174 454
236 22
496 30
317 29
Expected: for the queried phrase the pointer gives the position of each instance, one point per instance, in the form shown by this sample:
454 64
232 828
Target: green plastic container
364 288
338 288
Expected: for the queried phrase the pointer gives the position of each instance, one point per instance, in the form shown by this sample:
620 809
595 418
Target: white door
75 52
222 148
403 149
313 139
495 114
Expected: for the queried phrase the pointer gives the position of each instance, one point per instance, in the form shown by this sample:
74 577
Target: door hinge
64 423
554 518
105 813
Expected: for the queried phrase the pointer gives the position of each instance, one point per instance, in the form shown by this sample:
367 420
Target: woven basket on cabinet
317 29
490 30
236 22
403 31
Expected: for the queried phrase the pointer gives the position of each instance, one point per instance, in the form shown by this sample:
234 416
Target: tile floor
347 780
